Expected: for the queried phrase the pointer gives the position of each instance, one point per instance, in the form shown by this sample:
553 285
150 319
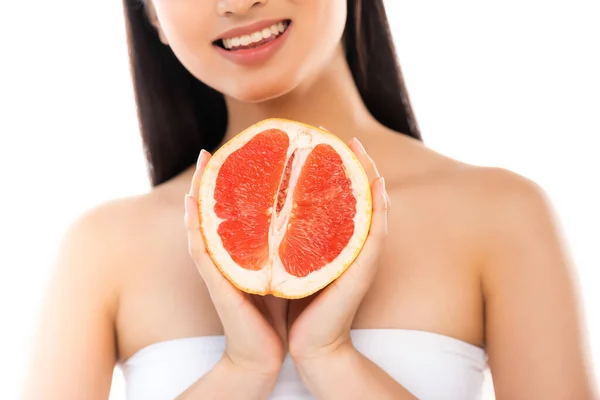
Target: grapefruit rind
274 279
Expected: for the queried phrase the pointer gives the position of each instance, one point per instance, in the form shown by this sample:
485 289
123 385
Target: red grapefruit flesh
245 187
322 218
285 208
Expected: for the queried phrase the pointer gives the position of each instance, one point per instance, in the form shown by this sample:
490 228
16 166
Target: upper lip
245 30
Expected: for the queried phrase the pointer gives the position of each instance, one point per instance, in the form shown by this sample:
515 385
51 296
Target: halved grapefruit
284 208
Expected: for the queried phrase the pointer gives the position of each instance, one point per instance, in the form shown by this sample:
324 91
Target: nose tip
238 7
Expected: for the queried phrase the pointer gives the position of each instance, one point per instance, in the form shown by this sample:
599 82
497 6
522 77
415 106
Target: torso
428 277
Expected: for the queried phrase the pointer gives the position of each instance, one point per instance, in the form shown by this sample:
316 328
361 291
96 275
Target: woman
471 269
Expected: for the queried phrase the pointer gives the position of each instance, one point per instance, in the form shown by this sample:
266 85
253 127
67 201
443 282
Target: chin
253 90
259 94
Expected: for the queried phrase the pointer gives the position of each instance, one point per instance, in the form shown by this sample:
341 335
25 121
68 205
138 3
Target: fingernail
200 157
360 145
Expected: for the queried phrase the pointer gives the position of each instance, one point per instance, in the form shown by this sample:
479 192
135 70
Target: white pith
255 37
273 278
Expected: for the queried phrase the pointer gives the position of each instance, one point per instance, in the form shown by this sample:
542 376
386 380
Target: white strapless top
429 365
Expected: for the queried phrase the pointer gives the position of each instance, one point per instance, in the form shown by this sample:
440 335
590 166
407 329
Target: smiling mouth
254 39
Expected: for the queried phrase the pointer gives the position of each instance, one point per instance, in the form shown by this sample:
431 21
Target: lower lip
257 55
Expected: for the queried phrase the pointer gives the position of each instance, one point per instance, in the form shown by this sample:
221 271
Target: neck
330 100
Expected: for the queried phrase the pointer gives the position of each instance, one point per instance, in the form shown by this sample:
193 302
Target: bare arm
74 352
534 328
347 374
230 381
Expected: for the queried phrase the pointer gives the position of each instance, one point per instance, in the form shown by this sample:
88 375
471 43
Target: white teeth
266 33
245 40
256 37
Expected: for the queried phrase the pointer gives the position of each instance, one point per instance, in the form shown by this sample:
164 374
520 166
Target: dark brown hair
179 115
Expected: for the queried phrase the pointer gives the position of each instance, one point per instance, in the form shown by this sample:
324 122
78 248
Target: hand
254 326
320 324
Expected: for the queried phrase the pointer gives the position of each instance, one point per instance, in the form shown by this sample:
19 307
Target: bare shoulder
106 240
98 254
498 196
412 168
505 209
480 206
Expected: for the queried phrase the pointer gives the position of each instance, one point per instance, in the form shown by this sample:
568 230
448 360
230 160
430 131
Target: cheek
329 15
187 29
183 20
320 29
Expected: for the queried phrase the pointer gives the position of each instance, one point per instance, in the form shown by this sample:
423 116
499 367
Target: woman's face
251 50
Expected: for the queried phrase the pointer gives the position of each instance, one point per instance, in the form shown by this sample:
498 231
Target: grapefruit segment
322 216
246 185
284 208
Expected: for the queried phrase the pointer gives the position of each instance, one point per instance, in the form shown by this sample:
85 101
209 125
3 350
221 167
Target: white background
515 84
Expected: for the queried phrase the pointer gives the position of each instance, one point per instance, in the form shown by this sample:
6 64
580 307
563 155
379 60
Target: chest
425 281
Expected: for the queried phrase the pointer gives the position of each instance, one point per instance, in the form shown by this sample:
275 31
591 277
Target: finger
379 223
200 166
192 217
364 158
192 222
